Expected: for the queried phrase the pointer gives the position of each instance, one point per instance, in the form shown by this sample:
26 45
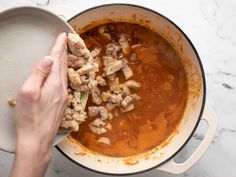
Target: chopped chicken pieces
106 36
107 60
112 49
71 124
126 101
101 81
92 85
79 117
128 108
68 114
95 67
98 123
103 31
97 126
74 78
103 113
93 111
11 102
115 86
97 130
132 84
104 140
84 75
70 98
110 106
77 96
74 113
126 90
82 68
95 52
78 107
77 46
114 98
127 71
80 88
84 79
105 96
135 97
96 98
114 66
123 41
85 69
75 62
98 110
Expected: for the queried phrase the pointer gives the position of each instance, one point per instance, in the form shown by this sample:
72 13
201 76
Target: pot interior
196 90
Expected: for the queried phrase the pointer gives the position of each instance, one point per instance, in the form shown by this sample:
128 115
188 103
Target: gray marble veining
211 26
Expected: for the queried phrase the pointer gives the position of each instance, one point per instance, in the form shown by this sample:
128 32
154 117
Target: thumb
40 72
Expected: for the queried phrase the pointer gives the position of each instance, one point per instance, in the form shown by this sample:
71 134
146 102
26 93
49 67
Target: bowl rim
28 7
203 79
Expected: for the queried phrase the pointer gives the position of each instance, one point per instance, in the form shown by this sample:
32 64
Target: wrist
33 150
30 159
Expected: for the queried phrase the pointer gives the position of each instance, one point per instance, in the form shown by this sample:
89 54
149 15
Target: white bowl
26 35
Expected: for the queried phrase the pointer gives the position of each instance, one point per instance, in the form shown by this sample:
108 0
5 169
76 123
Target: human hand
41 103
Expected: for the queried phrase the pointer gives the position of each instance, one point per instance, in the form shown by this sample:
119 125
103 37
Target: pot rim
203 80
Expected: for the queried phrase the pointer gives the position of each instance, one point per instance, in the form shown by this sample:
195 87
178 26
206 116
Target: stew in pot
156 82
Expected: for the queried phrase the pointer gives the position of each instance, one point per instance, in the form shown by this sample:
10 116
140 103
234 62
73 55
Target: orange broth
163 94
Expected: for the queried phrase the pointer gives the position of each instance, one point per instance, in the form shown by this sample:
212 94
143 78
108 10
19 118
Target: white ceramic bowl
26 35
162 156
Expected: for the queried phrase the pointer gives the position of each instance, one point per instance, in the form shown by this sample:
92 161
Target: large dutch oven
162 156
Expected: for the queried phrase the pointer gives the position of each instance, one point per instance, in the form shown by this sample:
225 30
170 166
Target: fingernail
47 61
63 34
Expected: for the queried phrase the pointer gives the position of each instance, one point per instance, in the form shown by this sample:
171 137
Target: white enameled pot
161 157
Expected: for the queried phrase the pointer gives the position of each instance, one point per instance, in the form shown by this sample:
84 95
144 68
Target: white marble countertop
211 26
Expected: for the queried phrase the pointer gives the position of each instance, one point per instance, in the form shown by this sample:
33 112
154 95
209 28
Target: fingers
59 55
58 76
59 46
39 73
64 59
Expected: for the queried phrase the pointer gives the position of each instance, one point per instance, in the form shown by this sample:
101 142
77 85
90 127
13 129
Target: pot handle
177 168
65 12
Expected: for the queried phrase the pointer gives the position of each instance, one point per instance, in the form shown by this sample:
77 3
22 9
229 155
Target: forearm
30 162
